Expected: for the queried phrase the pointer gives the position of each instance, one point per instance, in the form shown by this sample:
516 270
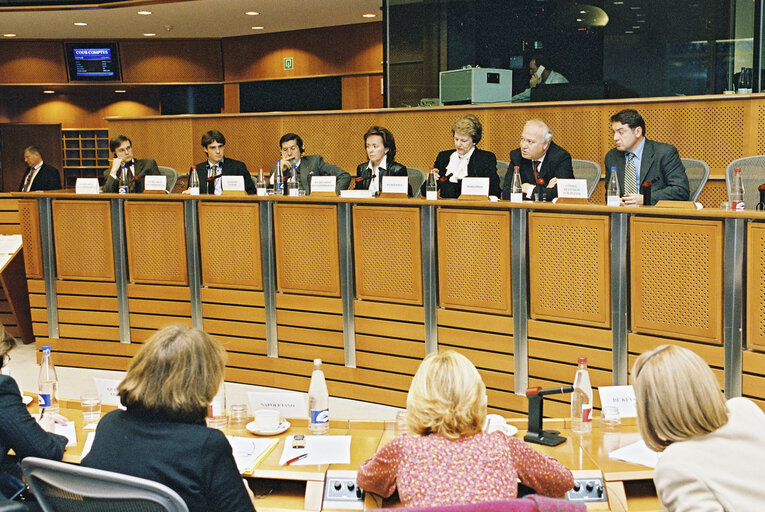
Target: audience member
446 459
292 149
381 151
38 175
712 450
211 170
122 149
540 73
162 435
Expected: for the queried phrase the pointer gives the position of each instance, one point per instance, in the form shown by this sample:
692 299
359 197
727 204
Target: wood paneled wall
171 60
32 62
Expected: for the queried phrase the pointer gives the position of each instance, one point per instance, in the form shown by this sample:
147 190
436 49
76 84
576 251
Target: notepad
250 451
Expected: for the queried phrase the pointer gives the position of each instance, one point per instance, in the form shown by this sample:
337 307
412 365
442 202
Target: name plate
87 186
323 183
395 184
621 397
290 405
572 188
357 194
107 391
232 183
158 183
475 186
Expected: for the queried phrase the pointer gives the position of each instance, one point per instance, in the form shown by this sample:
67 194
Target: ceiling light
252 13
628 32
579 19
150 34
582 12
120 90
144 13
635 26
80 24
48 91
9 35
257 28
369 15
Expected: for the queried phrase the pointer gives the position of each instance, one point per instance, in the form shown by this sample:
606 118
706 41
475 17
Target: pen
295 459
42 412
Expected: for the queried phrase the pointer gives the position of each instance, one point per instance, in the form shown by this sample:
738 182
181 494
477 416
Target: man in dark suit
38 175
292 148
638 160
122 149
211 170
538 158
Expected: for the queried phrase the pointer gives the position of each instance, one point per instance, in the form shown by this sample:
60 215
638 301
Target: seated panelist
712 450
381 151
122 149
211 170
162 435
446 458
466 160
292 153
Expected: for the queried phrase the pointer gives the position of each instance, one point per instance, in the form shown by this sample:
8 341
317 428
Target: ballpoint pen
295 459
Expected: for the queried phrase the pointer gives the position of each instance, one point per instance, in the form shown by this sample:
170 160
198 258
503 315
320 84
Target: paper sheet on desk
320 450
9 243
249 451
88 445
636 453
67 431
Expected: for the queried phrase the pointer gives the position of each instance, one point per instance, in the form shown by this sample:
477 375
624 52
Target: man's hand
632 200
527 189
116 164
534 81
553 181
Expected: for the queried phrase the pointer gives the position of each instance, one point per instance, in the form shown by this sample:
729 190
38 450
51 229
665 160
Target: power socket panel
587 490
341 491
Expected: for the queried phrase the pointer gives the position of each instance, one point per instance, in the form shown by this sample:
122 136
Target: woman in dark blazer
381 151
466 160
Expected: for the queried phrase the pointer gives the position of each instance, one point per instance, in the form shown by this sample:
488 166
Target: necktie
630 179
536 171
216 181
28 181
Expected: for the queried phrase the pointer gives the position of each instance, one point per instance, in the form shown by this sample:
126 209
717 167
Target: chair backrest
416 179
587 170
698 174
752 174
61 487
502 167
172 176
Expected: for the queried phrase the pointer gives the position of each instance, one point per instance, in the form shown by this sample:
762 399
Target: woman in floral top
447 459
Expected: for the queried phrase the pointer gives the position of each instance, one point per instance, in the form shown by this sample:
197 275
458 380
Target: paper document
9 243
4 259
636 453
249 451
67 431
320 450
88 445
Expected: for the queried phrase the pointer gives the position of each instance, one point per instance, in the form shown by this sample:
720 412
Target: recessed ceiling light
150 34
80 24
257 28
369 15
252 13
120 90
144 13
635 26
628 32
582 12
9 35
579 19
48 91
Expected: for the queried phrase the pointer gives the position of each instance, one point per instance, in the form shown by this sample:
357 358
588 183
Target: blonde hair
468 125
7 342
678 396
447 397
176 373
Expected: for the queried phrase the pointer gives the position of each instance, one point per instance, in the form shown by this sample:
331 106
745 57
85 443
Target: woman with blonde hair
713 450
447 459
162 435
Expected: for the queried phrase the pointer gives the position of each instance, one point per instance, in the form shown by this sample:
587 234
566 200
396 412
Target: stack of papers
320 450
250 451
636 453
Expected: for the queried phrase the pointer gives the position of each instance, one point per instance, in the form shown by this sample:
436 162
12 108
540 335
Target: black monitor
93 62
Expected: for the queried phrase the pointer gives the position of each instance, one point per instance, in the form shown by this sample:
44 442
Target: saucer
283 426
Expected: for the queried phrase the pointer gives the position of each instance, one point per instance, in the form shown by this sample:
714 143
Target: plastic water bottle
581 400
278 179
193 181
736 194
318 401
516 191
47 390
613 195
431 186
293 186
261 186
124 185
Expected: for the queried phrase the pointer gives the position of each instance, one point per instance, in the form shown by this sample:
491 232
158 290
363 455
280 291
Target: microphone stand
535 432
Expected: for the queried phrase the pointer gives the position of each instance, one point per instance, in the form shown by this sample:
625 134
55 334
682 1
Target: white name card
621 397
475 186
357 193
107 390
155 183
323 183
395 184
290 405
235 183
87 186
572 188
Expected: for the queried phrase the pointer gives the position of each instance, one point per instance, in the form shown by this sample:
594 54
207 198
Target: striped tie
630 179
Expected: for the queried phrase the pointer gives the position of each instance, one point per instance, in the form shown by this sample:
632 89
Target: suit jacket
557 164
191 459
230 167
660 165
482 164
47 178
364 175
140 169
314 165
718 471
20 432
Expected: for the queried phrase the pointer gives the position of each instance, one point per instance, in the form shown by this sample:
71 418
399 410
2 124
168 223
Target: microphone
551 391
445 178
213 178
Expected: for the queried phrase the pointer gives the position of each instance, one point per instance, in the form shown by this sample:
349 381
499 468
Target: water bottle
516 191
278 179
736 194
293 186
261 186
318 401
540 192
47 390
581 400
193 181
124 185
613 195
431 186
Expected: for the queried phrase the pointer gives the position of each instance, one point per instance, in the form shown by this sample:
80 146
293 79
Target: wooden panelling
307 254
32 62
171 60
474 260
755 288
156 242
569 268
310 330
153 307
29 216
82 231
387 254
753 382
229 238
362 91
676 278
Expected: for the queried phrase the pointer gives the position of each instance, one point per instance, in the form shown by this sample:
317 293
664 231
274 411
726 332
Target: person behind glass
162 436
122 149
713 450
446 458
38 175
211 170
466 160
18 430
381 151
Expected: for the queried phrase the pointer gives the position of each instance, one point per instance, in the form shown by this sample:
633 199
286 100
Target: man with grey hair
539 158
38 175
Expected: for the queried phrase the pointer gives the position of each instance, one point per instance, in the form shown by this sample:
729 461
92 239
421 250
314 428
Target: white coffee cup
493 423
267 419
